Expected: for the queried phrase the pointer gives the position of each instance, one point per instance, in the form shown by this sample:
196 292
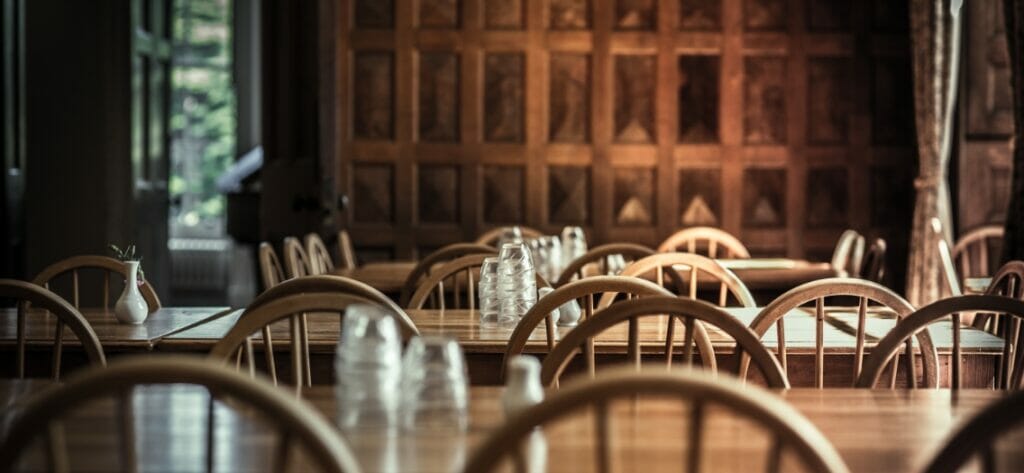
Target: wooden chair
459 274
817 292
41 298
293 299
873 267
346 252
444 254
296 260
271 271
1007 282
952 281
974 251
849 252
696 267
789 429
602 255
297 422
320 261
979 436
692 313
1010 370
107 265
491 237
689 239
582 291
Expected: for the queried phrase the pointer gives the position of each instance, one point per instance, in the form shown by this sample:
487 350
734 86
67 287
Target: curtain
1013 246
935 37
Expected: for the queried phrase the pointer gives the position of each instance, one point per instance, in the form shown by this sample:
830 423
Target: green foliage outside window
202 109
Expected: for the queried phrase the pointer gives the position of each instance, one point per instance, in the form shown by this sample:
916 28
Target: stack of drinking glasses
574 244
490 301
554 263
517 283
368 368
435 390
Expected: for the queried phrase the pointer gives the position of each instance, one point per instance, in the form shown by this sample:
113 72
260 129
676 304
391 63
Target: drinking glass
490 302
434 390
368 368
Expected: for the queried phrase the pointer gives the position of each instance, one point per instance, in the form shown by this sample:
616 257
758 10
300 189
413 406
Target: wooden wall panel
781 121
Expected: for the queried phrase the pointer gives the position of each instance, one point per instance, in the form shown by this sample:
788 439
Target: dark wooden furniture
880 430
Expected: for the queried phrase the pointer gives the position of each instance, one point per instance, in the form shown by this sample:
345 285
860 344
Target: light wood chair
298 423
979 437
952 281
346 252
581 291
320 261
601 256
291 300
1007 282
816 292
695 267
460 275
271 271
873 268
107 265
689 240
491 237
296 260
948 309
849 252
789 429
444 254
974 251
66 315
692 313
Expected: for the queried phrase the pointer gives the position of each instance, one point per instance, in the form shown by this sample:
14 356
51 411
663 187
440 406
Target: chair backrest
105 264
789 429
357 290
952 280
695 267
296 420
296 260
491 237
292 301
849 252
271 272
442 255
873 267
974 251
66 315
817 292
692 313
346 252
689 240
581 291
1010 373
1007 282
320 261
459 275
979 437
602 255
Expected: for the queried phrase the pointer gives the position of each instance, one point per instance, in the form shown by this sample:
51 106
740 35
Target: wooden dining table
114 336
872 430
484 346
768 276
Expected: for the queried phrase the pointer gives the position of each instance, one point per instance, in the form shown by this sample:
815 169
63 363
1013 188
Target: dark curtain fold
1013 247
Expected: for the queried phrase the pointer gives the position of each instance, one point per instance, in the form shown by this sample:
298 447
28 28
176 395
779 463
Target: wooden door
782 121
150 96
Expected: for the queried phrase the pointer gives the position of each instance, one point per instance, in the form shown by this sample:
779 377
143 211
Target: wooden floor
873 430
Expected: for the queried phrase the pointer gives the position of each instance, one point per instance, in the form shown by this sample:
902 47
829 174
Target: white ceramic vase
131 307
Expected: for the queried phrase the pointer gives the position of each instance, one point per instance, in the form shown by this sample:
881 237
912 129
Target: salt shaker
522 388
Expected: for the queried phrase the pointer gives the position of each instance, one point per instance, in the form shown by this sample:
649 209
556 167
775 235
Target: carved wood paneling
781 121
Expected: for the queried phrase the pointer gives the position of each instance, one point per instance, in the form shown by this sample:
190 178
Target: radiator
199 263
